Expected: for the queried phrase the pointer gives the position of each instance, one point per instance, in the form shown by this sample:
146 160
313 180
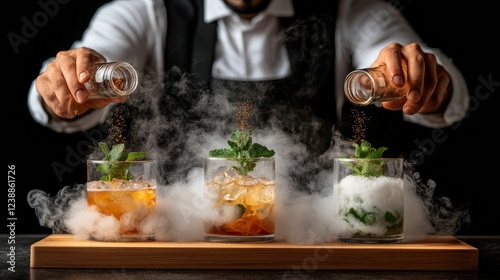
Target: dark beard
248 8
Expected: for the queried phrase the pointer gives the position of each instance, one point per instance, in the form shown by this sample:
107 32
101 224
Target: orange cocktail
130 201
137 202
244 205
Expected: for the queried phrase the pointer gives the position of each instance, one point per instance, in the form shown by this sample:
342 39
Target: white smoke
303 218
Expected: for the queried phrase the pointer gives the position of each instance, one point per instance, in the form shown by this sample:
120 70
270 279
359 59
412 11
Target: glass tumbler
242 193
369 200
124 190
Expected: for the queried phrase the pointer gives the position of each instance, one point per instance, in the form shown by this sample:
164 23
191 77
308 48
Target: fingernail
83 76
414 96
398 80
80 96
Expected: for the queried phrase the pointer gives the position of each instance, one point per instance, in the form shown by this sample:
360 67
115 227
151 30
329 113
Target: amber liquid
252 203
249 224
117 202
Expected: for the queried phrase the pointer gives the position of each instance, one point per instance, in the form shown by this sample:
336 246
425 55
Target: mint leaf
104 147
367 218
258 150
389 217
243 151
365 150
241 209
367 168
222 153
135 155
116 167
115 153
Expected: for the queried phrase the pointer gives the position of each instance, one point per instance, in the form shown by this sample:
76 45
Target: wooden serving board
430 253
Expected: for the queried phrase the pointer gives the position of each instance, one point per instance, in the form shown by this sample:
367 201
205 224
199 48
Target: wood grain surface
430 253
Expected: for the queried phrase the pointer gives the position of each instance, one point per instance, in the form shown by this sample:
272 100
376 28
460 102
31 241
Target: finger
76 66
45 90
66 106
393 59
394 105
66 64
85 59
430 82
52 86
430 94
415 77
441 94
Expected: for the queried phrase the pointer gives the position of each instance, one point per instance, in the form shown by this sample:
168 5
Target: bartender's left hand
430 84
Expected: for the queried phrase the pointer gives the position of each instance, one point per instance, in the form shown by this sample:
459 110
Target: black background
464 167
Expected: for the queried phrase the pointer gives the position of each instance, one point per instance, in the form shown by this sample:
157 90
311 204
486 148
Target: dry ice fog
179 128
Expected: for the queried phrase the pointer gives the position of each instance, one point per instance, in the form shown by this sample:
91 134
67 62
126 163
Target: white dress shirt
243 50
363 28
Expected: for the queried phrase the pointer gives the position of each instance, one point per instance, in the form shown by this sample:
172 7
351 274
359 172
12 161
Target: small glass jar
370 85
112 79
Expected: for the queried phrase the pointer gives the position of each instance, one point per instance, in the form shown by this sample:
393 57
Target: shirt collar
216 9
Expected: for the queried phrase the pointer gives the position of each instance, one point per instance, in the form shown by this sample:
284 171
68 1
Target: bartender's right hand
61 85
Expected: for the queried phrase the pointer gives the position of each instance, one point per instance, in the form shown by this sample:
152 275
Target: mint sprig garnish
243 150
367 168
115 167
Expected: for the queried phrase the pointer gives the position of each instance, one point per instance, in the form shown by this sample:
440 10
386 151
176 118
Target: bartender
289 57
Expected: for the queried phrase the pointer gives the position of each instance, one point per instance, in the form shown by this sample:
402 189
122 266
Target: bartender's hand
62 88
430 84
